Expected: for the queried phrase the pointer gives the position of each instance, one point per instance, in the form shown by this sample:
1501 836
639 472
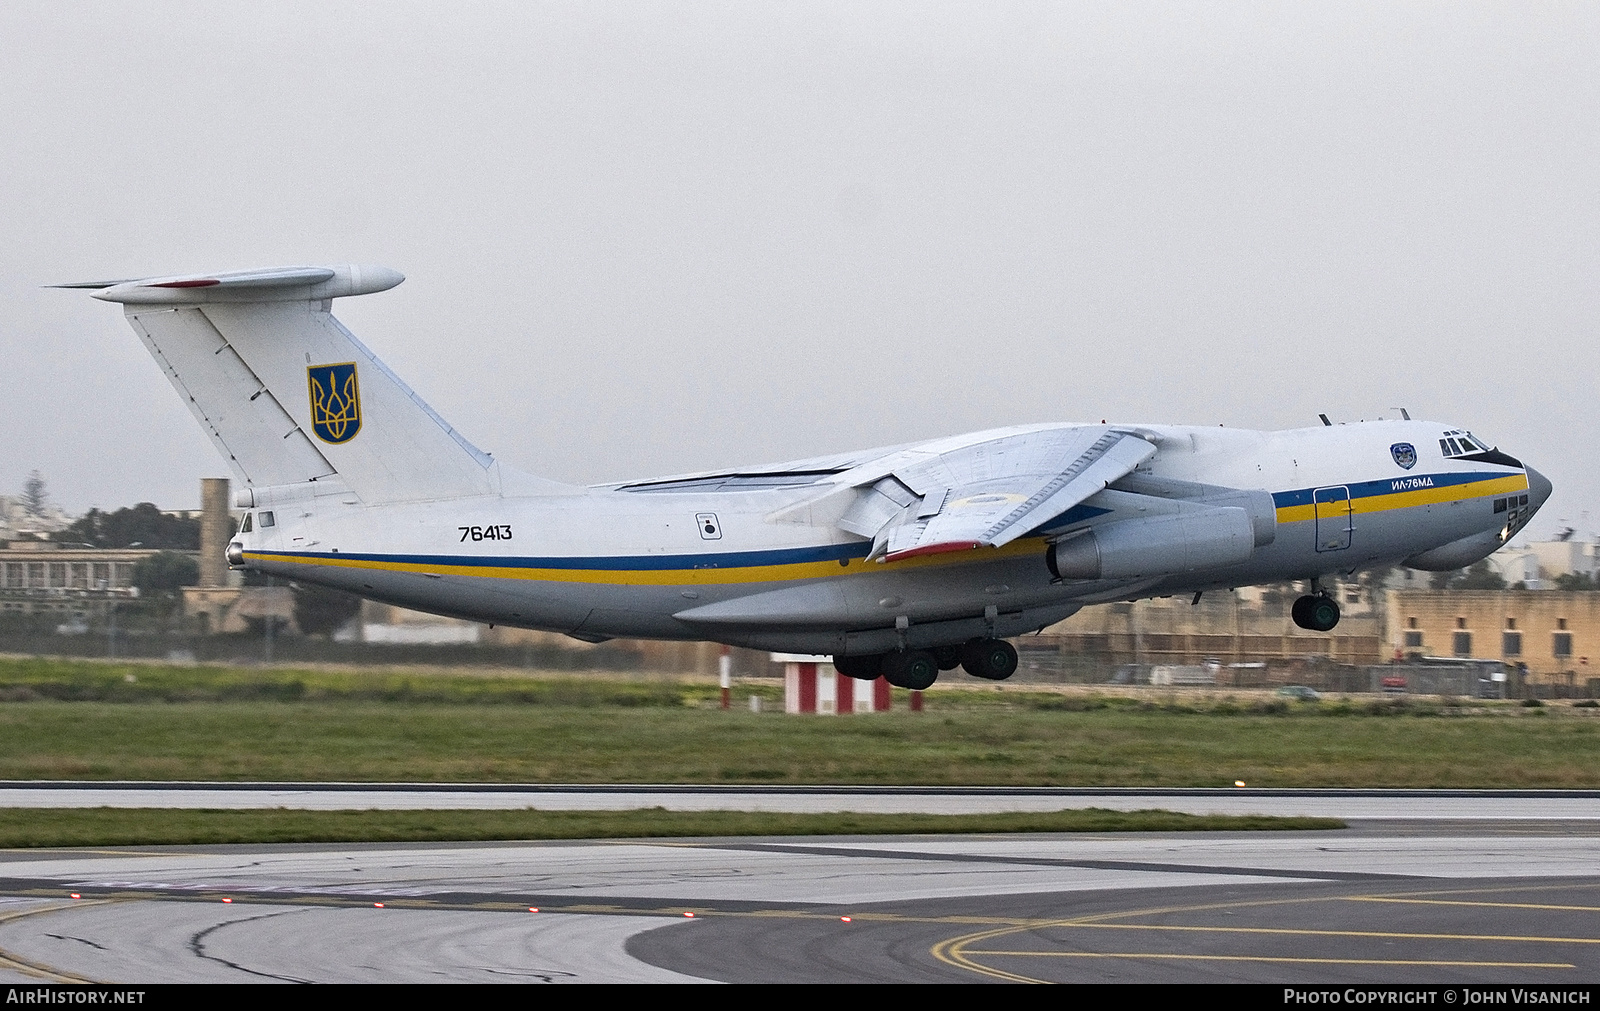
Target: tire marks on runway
197 945
1097 865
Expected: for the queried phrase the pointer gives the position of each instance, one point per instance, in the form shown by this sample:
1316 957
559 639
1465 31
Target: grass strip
94 720
39 679
946 745
30 679
105 826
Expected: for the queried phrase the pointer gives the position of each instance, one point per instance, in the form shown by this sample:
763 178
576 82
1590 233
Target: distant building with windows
1554 633
42 576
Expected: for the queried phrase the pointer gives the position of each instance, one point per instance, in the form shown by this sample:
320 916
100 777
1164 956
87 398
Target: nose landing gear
1318 612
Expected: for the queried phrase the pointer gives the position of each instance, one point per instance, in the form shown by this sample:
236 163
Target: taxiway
1465 895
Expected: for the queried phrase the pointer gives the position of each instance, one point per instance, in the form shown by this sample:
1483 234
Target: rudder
287 394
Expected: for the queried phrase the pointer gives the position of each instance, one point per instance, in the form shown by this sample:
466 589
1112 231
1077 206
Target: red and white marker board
811 685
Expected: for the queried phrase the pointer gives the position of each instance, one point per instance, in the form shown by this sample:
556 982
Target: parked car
1300 692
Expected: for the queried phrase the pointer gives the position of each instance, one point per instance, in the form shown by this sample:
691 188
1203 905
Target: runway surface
1475 897
1433 805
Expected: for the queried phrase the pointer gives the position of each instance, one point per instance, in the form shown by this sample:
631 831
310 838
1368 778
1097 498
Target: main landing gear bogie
918 669
864 667
990 659
913 669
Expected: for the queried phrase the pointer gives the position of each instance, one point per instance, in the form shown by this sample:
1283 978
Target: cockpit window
1460 443
244 527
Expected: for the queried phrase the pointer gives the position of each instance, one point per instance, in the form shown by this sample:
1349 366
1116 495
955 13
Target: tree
165 571
1481 576
1577 581
34 496
322 610
143 525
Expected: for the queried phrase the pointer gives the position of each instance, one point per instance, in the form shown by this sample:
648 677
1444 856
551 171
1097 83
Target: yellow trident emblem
335 402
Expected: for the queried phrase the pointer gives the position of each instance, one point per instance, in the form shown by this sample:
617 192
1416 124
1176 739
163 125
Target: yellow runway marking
1460 902
1525 938
1269 958
952 952
958 951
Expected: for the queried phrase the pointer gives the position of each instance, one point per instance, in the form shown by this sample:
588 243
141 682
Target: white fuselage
721 557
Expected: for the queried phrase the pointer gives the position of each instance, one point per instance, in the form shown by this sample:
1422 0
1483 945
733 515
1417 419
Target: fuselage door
1333 518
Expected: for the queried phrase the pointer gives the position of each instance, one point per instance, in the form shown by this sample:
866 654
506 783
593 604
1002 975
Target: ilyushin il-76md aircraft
901 562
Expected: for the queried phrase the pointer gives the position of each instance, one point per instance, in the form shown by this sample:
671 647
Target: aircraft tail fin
287 394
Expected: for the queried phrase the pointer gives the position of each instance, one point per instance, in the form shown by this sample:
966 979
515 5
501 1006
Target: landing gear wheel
915 670
862 667
948 657
1317 613
992 659
1323 614
1298 611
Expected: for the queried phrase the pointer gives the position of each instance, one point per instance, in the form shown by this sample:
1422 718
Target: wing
992 492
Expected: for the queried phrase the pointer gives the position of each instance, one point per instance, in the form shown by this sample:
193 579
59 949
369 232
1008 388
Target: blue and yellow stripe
1383 496
778 565
820 561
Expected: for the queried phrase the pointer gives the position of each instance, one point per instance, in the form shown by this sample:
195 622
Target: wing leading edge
990 493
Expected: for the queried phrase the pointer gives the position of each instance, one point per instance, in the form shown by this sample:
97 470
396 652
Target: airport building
1228 628
44 577
1555 634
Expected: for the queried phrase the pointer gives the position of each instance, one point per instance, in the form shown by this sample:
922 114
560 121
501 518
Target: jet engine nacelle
1156 545
1257 504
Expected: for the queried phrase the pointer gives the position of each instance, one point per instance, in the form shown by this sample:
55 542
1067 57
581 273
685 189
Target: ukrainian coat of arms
335 402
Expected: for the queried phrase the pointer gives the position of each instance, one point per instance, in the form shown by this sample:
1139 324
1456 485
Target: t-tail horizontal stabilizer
288 395
273 284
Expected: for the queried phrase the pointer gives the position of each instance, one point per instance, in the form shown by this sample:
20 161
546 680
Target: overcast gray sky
650 238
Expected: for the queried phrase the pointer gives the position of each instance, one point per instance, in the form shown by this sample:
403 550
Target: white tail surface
288 394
